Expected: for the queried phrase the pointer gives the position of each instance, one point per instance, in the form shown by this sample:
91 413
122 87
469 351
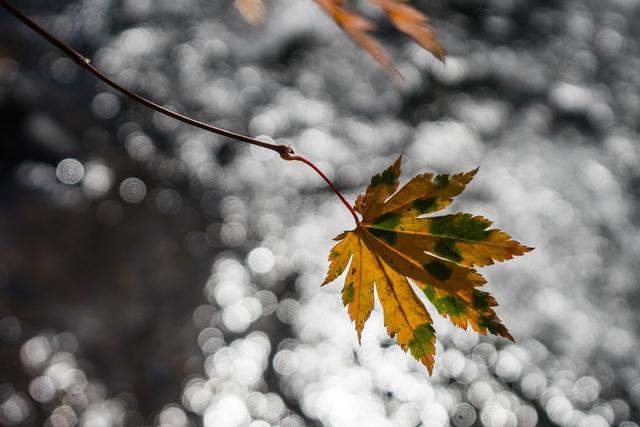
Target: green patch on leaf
422 343
424 205
446 248
386 235
430 293
440 181
388 221
438 270
451 305
387 177
348 293
480 300
459 227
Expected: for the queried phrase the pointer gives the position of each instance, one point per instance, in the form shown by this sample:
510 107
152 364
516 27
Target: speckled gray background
153 274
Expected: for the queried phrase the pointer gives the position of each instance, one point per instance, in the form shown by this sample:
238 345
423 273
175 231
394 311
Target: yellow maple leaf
395 242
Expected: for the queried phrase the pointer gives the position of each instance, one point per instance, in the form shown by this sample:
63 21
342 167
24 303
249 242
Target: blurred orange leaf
411 21
252 10
404 17
357 27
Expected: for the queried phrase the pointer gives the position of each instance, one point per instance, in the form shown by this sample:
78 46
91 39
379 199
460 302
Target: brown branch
328 181
285 151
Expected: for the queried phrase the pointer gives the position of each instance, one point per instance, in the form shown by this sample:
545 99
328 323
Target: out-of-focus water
153 274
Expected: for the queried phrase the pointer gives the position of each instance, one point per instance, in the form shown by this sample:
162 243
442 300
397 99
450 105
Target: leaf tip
520 249
429 365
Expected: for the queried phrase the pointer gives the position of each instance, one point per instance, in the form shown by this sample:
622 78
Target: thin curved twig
86 63
285 151
328 181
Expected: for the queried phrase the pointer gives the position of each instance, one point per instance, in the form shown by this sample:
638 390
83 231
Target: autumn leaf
395 242
411 21
251 10
357 27
404 17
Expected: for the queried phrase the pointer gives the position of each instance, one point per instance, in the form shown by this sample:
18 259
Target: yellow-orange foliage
402 14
